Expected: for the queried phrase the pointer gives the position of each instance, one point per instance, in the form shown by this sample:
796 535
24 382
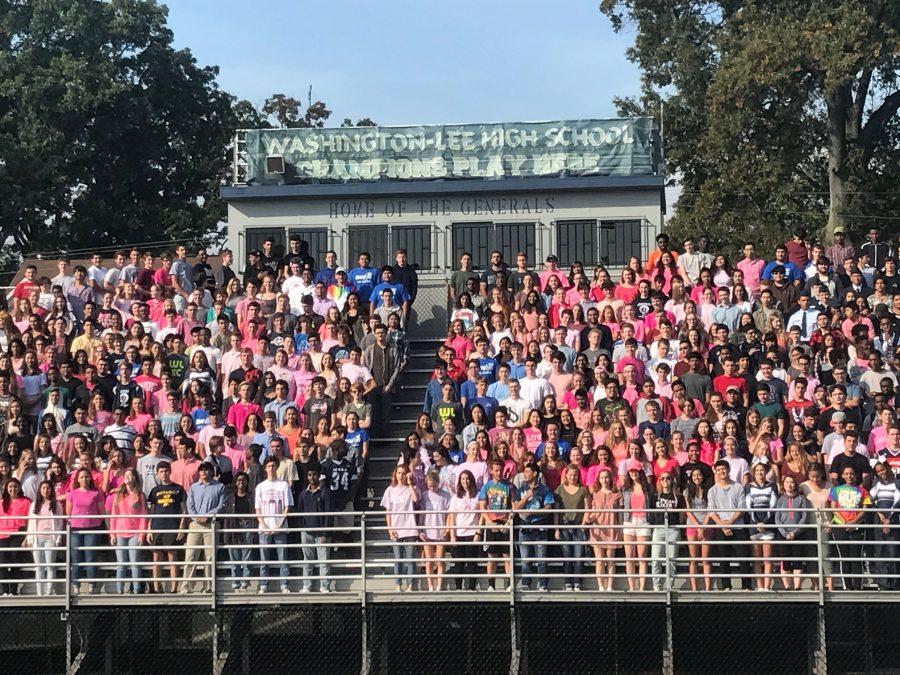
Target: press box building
588 190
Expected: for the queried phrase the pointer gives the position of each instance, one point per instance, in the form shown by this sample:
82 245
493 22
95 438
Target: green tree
777 115
107 132
290 112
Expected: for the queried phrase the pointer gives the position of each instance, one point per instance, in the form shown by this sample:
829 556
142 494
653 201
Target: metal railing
351 557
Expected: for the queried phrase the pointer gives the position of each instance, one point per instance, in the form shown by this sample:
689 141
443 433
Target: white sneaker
286 591
325 589
262 590
304 589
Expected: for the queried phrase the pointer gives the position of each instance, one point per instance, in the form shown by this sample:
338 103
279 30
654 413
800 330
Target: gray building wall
429 223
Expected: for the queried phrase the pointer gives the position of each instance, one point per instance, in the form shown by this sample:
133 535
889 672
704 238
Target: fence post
668 661
515 652
213 562
512 558
820 653
363 573
67 577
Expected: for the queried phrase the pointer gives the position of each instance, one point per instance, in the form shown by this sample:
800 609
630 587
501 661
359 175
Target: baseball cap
340 270
633 465
778 269
839 230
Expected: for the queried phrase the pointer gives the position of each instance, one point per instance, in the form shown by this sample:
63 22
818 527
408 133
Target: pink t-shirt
86 503
129 511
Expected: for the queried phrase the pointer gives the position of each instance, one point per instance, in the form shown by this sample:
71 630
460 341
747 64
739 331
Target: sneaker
245 586
75 589
305 589
491 587
235 588
576 587
542 588
262 589
325 589
285 590
569 587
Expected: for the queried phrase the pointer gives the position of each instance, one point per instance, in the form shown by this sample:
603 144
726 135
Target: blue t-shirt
364 279
487 368
561 445
400 294
497 497
541 496
201 418
354 441
326 276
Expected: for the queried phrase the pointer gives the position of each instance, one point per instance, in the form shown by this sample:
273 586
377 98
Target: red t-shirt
24 288
723 382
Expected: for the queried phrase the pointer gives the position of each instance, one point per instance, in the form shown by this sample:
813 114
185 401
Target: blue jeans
127 551
242 553
404 550
530 548
573 547
316 548
279 540
80 539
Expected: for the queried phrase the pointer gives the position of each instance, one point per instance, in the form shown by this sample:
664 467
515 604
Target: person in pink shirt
552 270
752 269
240 411
85 508
186 469
127 527
236 453
630 359
14 507
558 378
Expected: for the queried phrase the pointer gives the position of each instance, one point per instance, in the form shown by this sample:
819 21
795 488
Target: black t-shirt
823 424
317 408
177 365
642 306
166 500
859 463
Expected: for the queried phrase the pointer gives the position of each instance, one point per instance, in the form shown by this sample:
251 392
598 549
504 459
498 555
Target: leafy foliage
107 132
778 115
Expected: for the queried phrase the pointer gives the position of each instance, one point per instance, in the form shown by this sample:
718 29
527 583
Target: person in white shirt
534 388
96 275
804 318
356 372
517 408
272 501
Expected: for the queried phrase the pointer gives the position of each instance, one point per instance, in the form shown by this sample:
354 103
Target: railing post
363 573
212 561
821 553
67 577
512 557
670 566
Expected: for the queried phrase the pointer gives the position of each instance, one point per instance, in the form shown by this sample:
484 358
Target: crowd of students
741 395
145 398
580 426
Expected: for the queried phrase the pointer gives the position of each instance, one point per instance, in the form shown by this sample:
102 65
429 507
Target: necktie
803 324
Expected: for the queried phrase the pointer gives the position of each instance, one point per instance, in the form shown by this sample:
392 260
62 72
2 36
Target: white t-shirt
467 514
396 499
271 499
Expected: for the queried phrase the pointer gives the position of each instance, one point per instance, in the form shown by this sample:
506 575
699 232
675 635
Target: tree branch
855 121
877 120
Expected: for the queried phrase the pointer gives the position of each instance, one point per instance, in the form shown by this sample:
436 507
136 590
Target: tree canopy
777 115
110 134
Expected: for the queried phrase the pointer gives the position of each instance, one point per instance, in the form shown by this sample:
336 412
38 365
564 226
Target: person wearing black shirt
166 499
642 302
665 532
592 317
202 272
693 452
315 499
255 267
850 457
240 532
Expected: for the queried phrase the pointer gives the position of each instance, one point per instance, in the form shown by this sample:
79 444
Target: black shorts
496 540
165 538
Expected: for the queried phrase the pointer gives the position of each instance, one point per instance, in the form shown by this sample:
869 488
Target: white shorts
635 527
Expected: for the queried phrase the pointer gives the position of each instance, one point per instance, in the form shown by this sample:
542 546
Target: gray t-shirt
696 386
182 271
146 468
725 501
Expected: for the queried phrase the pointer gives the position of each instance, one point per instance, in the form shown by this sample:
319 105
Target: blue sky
415 62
